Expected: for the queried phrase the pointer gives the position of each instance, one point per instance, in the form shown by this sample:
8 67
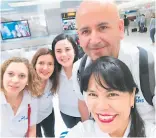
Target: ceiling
33 6
8 6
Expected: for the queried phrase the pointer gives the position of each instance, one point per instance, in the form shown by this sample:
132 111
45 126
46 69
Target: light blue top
152 23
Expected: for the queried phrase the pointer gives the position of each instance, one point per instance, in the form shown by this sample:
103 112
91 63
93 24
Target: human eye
113 94
22 76
92 94
41 63
103 27
68 49
50 64
10 74
58 51
85 32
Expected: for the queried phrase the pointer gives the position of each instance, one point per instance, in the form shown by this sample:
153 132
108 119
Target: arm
150 23
83 109
81 102
32 132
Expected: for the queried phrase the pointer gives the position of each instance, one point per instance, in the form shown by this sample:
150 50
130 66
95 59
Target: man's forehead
95 4
92 8
96 1
88 26
96 20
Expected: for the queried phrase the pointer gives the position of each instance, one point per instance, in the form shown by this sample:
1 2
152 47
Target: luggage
134 30
145 29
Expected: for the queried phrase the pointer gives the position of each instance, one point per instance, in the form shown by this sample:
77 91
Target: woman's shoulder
82 129
150 129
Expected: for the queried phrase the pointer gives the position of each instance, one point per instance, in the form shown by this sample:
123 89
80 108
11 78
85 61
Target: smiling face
15 78
45 66
64 53
111 110
99 28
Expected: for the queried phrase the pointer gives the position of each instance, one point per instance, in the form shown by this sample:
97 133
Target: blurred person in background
126 24
152 29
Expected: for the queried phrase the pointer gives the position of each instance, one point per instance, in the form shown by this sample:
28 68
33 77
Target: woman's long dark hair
75 47
117 76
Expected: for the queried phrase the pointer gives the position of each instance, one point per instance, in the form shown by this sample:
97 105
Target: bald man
100 31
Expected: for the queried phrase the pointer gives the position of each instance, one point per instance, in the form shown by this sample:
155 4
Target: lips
14 87
106 118
98 48
45 73
64 60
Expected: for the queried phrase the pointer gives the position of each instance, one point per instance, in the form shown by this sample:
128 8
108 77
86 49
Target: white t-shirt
68 101
90 129
17 125
130 56
45 104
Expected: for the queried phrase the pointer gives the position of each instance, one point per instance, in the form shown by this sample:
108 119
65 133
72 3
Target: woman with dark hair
65 54
44 65
110 96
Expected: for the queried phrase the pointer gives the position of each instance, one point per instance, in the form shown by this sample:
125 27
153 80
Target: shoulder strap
80 70
147 74
29 112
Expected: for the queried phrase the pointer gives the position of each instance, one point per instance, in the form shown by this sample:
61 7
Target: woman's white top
17 125
90 128
68 101
45 104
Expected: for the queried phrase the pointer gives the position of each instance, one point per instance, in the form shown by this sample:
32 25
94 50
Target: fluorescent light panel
33 2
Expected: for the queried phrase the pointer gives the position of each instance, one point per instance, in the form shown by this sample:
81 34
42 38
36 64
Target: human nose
94 38
15 79
103 103
63 53
45 66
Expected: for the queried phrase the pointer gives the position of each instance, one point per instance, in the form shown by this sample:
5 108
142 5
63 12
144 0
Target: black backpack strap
81 69
147 74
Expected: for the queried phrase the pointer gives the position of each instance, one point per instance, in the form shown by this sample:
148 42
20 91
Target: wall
45 23
53 20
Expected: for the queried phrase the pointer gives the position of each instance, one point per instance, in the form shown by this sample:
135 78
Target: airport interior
42 20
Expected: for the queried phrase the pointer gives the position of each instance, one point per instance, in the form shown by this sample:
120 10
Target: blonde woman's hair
34 84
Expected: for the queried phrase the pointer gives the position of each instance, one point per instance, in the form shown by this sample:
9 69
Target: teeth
13 87
64 60
44 73
105 117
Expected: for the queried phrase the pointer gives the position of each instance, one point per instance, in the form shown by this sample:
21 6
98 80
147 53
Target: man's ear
121 28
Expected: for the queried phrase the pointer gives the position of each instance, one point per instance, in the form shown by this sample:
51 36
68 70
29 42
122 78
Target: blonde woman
19 85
